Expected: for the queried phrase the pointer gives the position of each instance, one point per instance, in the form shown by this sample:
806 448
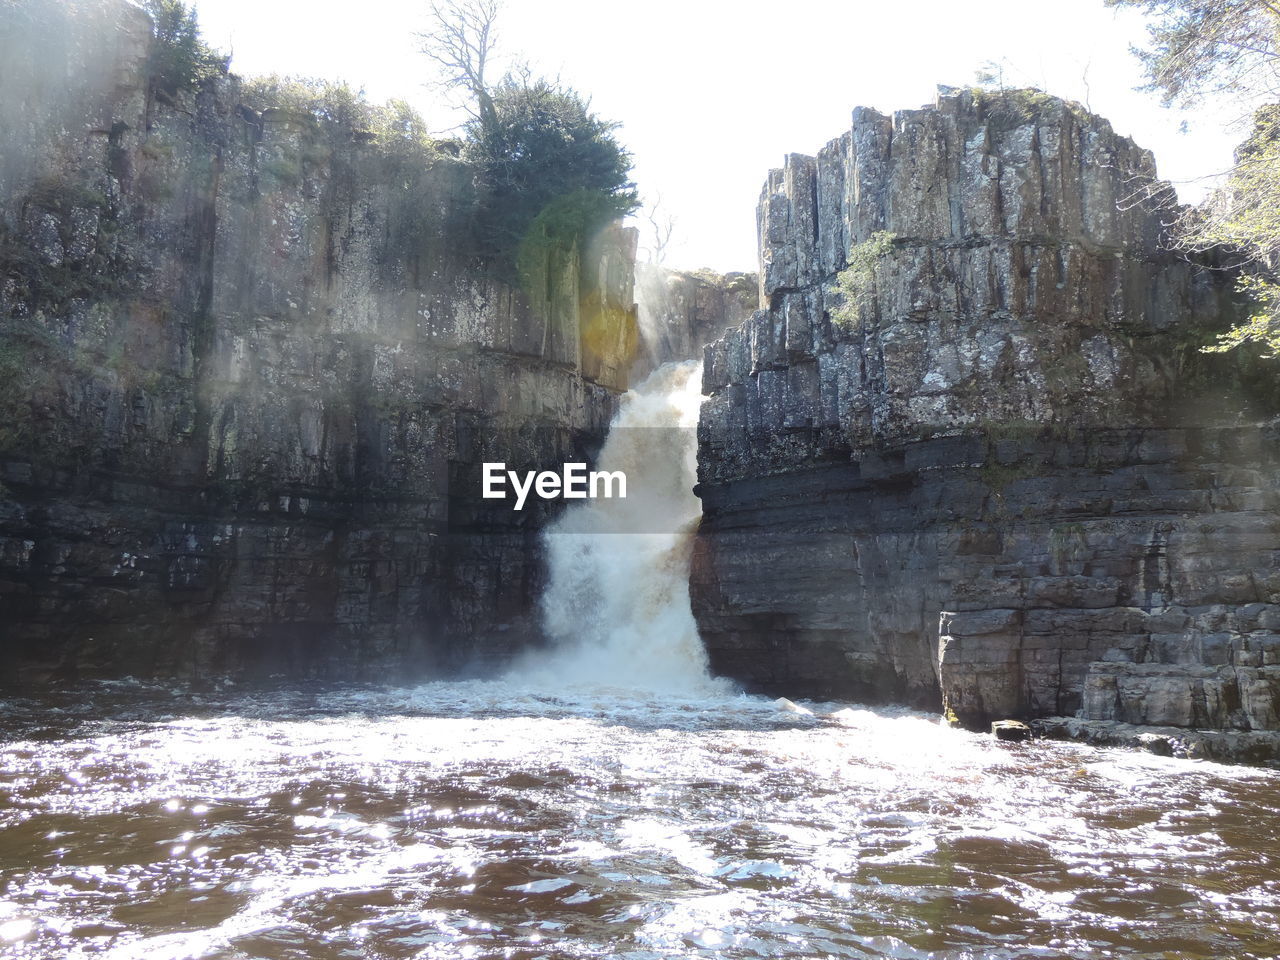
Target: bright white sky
711 93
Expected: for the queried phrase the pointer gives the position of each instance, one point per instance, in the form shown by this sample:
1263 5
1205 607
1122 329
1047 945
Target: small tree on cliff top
550 171
1229 49
547 161
179 59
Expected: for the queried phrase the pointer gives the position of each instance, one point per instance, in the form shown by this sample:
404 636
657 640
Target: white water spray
617 604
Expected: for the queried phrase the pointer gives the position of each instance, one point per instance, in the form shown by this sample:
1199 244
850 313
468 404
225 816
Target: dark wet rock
1011 730
1006 482
1160 745
1223 746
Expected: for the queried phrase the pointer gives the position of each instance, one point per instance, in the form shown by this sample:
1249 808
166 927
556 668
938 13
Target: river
480 819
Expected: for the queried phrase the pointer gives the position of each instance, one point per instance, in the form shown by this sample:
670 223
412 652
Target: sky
711 95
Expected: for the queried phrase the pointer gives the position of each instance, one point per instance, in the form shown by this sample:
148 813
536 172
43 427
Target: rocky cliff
681 312
248 368
989 472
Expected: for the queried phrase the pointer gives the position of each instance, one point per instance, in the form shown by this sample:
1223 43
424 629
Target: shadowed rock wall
1003 479
247 369
680 312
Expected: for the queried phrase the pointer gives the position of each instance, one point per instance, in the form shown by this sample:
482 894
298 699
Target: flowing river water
607 798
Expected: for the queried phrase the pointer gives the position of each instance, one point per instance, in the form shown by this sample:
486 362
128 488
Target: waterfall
616 607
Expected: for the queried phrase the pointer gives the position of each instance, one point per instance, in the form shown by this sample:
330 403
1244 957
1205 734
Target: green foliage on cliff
179 60
1261 326
550 172
340 130
1244 216
318 100
856 282
1228 50
744 287
323 136
1007 109
564 222
345 116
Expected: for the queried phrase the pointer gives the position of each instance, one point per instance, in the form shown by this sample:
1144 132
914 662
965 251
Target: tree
661 227
1228 50
1244 216
546 158
1202 48
462 41
549 171
990 75
178 59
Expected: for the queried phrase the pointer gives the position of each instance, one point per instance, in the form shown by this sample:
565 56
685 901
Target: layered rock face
995 475
249 370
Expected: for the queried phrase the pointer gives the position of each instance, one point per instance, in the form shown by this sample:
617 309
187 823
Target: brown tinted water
482 820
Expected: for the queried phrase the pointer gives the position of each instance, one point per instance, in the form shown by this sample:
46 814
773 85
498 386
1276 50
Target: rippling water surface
484 820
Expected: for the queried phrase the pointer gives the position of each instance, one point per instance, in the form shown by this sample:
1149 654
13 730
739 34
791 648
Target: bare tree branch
662 226
1200 48
462 41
